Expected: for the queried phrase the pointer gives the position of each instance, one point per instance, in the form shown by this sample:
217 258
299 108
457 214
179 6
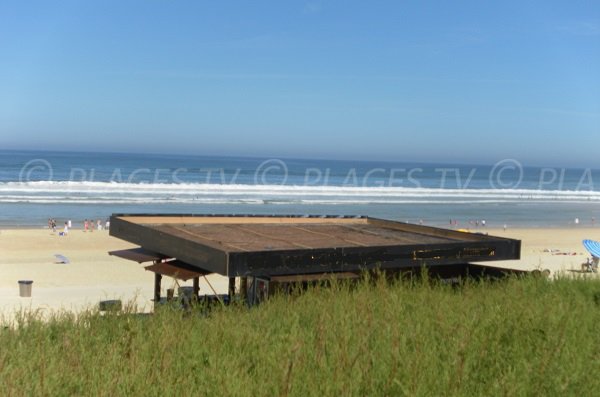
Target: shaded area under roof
139 255
315 277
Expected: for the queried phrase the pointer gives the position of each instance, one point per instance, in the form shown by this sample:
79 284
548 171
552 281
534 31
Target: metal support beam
157 282
196 287
244 287
231 288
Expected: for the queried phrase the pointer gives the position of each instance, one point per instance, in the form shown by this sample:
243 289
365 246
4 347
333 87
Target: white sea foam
138 193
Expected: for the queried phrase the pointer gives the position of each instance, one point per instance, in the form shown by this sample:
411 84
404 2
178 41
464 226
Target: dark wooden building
262 250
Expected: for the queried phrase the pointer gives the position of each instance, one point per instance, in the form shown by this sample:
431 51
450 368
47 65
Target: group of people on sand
577 221
52 226
90 225
476 223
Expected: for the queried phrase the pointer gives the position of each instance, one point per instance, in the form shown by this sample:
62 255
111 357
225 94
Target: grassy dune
515 337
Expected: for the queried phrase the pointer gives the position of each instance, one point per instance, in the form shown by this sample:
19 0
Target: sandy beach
92 275
559 250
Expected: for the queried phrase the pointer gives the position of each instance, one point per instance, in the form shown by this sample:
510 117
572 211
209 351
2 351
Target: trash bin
187 292
186 295
25 288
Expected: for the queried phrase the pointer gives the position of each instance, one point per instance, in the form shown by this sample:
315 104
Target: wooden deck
287 245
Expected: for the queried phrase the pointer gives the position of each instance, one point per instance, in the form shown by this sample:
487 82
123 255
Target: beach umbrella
593 247
61 259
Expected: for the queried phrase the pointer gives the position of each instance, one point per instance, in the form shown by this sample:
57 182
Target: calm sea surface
35 186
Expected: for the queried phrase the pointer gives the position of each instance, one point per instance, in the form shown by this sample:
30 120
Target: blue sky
450 81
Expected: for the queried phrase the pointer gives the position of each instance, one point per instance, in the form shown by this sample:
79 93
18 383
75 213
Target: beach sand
92 275
537 244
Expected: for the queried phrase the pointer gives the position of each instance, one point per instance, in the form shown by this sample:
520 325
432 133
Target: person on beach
69 224
85 225
91 223
99 224
107 224
66 229
53 223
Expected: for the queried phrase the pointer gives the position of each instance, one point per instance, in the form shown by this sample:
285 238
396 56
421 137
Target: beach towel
61 259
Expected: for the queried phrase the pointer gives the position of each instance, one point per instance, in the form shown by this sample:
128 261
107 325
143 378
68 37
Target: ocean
35 186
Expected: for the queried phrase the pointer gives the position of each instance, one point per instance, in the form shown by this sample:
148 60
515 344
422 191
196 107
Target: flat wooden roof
283 245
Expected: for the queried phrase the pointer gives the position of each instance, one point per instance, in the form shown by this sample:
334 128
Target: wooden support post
196 287
157 282
231 288
244 287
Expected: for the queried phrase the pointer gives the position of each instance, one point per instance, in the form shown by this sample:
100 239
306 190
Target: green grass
519 337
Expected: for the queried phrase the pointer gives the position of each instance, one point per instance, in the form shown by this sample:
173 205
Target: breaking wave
44 192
